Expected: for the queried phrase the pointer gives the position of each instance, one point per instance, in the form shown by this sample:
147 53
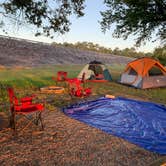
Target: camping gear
141 123
144 73
61 76
75 88
96 72
110 96
52 89
24 107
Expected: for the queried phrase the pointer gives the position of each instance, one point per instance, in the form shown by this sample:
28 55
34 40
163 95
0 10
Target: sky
86 28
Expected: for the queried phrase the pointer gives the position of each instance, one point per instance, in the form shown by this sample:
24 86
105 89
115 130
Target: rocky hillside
19 52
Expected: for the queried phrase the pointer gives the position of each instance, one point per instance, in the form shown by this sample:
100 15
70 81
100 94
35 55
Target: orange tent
144 73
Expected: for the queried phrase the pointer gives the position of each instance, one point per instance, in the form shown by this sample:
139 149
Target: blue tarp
141 123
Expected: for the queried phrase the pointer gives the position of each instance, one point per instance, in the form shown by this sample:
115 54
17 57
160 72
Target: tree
117 51
160 54
48 16
141 18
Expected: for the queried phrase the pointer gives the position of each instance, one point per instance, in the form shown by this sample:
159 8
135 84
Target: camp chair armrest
27 99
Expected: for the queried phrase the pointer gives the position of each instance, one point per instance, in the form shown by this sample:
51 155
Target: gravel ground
66 141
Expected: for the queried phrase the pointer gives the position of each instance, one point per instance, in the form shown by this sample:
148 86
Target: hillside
19 52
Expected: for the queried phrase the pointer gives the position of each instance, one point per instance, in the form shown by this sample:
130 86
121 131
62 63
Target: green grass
27 79
35 76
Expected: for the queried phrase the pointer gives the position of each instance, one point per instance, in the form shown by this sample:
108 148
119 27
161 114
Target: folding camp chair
61 77
75 88
26 108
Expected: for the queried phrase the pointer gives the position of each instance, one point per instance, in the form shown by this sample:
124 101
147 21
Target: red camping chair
61 76
75 88
24 107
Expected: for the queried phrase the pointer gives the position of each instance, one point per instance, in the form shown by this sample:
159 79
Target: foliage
141 18
86 46
128 52
160 54
48 16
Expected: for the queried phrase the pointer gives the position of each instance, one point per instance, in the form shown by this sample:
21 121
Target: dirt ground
66 141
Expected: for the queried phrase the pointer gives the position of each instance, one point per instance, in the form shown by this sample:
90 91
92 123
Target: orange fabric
143 65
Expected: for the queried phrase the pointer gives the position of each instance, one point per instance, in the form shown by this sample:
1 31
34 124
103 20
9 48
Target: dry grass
2 67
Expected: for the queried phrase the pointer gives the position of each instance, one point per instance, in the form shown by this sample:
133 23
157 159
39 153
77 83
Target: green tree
160 54
117 51
141 18
48 16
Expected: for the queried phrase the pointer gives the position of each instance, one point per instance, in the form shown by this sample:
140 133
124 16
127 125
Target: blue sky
86 28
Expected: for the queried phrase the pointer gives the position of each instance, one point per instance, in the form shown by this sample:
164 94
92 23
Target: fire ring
52 89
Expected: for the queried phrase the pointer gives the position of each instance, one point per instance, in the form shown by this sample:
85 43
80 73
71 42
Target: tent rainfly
96 72
144 73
